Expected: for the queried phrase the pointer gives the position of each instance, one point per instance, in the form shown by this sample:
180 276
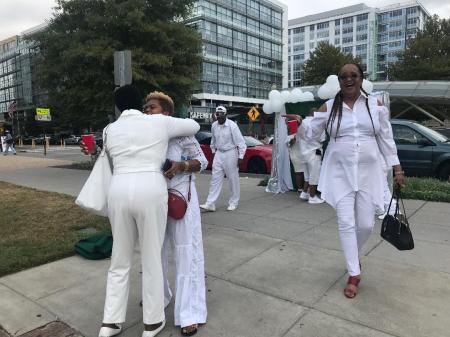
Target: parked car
257 159
422 151
72 140
443 131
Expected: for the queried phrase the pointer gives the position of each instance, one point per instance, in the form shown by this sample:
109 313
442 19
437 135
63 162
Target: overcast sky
19 15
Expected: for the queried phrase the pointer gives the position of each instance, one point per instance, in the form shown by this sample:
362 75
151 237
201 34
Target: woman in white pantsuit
184 235
137 207
352 177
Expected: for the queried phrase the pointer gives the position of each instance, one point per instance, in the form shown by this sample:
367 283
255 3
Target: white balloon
367 86
285 96
296 95
274 94
267 107
333 79
324 91
308 96
277 104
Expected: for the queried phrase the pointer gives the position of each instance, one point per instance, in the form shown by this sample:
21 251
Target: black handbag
395 227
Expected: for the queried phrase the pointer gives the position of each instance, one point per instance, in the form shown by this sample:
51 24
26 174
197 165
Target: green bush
428 189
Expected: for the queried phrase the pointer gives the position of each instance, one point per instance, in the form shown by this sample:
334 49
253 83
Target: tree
76 63
324 61
427 56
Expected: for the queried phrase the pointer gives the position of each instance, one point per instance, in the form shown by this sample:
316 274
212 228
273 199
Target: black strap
398 195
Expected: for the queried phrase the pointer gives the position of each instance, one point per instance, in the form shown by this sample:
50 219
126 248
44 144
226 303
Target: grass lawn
38 227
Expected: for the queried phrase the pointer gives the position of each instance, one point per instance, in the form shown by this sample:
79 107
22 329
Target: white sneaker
315 200
304 196
109 332
208 207
231 207
154 332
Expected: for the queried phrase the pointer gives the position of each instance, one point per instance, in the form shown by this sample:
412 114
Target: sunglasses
349 77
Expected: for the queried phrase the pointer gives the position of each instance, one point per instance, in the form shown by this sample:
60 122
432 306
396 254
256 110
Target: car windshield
251 142
432 134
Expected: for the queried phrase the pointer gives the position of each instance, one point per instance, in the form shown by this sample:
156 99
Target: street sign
42 112
253 114
43 118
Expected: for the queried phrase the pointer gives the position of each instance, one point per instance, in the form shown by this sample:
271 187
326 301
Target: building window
347 50
337 22
347 21
362 17
322 25
346 40
298 30
253 8
361 37
412 10
360 28
395 13
347 30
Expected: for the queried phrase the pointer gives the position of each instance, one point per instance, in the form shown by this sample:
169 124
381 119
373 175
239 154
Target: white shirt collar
130 112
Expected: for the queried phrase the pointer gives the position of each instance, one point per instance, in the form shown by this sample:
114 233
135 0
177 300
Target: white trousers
8 147
356 215
137 209
311 169
225 163
185 237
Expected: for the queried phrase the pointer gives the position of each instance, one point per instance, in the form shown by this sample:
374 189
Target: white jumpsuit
185 237
352 178
137 207
228 145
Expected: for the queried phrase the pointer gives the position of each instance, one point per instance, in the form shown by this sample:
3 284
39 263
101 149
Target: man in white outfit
229 147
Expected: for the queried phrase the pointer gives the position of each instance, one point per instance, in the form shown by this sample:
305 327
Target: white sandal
109 332
154 332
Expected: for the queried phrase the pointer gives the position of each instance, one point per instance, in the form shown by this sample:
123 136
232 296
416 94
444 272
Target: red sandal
352 280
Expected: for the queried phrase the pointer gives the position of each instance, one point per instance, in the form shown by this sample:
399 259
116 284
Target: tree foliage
324 61
427 56
76 59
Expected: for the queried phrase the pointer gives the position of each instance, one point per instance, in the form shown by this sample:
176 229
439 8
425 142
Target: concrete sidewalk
274 268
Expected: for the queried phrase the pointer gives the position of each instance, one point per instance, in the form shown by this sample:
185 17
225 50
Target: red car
257 159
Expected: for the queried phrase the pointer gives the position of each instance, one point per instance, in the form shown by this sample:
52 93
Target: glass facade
242 46
16 84
374 35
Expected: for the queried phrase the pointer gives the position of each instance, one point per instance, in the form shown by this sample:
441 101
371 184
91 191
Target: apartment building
373 34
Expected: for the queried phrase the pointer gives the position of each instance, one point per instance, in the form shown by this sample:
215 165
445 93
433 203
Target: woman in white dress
352 177
137 207
184 235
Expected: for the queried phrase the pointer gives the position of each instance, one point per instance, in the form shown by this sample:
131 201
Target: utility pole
122 71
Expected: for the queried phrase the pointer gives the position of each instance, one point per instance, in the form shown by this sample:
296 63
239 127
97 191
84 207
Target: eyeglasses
353 77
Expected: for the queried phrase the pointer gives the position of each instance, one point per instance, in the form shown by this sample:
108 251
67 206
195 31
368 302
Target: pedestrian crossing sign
253 114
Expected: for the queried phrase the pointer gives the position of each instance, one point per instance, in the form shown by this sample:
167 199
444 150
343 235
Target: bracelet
186 165
399 172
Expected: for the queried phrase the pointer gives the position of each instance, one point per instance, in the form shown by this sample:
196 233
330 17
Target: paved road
274 268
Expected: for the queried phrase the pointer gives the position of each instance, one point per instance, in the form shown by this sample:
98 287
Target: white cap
221 109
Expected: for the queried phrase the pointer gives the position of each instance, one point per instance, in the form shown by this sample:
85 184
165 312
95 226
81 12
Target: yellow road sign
253 114
42 111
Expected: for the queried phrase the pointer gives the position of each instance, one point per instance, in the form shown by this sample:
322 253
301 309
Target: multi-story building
373 34
244 56
244 51
17 85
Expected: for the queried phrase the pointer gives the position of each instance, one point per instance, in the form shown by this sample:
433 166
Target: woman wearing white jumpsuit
352 177
184 235
137 208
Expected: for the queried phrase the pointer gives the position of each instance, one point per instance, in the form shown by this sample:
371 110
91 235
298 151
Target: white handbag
94 195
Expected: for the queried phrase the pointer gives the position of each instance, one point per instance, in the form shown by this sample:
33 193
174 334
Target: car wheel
444 172
256 165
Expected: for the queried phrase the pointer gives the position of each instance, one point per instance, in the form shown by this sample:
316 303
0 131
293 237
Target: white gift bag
94 194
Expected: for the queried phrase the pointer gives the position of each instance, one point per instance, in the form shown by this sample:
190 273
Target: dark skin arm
192 165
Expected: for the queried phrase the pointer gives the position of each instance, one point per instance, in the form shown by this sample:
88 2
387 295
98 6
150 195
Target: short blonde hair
164 100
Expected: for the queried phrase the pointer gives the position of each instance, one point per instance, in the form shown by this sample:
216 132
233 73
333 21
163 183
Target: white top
185 148
308 147
352 161
226 137
138 143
